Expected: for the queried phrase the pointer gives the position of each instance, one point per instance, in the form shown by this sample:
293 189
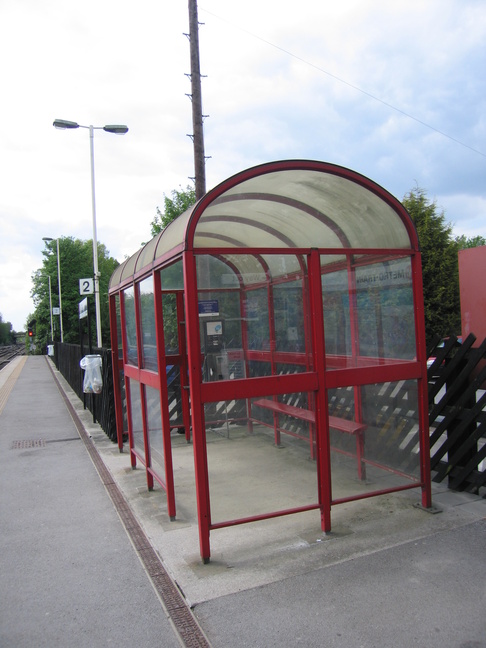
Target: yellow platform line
7 387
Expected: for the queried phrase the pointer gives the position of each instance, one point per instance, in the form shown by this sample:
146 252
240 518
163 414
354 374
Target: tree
173 207
439 265
464 242
6 333
76 262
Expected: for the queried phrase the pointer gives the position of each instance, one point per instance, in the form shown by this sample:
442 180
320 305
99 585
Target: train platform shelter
281 314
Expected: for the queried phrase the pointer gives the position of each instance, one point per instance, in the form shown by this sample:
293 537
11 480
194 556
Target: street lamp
118 130
48 239
50 307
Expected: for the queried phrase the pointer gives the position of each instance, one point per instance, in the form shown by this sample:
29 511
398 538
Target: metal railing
102 406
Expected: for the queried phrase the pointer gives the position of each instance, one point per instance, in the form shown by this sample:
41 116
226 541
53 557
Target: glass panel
171 337
258 319
147 308
136 417
227 310
335 298
121 376
280 265
118 326
172 277
388 413
174 235
175 396
246 268
116 276
221 362
154 423
248 474
220 319
146 255
385 309
215 273
225 413
288 304
391 412
128 267
284 368
257 368
223 285
130 326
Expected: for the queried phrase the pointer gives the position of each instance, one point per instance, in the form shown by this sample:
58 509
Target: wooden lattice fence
457 412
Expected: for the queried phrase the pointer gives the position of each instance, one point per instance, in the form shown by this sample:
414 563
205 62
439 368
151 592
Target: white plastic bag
93 382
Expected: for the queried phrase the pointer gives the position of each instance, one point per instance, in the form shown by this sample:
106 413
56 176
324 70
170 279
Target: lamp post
50 307
118 130
48 239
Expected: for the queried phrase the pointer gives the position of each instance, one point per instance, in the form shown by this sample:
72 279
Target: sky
393 89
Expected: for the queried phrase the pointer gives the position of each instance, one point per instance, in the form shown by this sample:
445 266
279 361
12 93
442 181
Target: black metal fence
67 358
457 406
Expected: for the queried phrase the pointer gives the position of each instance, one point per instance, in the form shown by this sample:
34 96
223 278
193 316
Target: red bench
342 425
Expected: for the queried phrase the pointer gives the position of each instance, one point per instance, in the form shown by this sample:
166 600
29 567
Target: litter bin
93 382
50 350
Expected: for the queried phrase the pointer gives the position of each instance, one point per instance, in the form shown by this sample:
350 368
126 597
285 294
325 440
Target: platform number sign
86 286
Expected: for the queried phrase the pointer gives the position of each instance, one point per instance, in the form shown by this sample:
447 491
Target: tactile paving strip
8 385
173 601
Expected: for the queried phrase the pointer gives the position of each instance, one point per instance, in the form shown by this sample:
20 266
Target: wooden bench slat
343 425
283 408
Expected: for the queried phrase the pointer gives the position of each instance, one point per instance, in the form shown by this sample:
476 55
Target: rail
9 352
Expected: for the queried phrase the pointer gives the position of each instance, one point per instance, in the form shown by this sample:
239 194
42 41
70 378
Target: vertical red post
423 396
163 396
198 424
115 362
322 413
143 399
128 394
183 368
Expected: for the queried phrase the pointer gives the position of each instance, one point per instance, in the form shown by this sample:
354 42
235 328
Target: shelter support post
197 406
128 392
141 387
423 395
163 396
115 343
323 451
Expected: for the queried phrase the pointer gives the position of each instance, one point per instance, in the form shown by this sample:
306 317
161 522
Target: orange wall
472 284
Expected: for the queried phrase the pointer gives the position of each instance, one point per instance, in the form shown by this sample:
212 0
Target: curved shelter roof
283 206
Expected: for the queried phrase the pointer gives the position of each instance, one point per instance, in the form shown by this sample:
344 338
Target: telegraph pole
197 116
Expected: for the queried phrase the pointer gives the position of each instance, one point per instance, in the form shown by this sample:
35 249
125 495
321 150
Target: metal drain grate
25 444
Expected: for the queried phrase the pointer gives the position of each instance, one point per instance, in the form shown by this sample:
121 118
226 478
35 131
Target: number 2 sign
86 286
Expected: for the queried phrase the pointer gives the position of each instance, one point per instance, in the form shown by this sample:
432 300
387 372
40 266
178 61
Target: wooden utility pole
197 117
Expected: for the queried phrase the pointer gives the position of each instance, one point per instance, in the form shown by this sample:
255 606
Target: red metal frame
322 413
168 484
117 367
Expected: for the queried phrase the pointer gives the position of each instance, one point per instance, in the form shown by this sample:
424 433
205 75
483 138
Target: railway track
9 352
